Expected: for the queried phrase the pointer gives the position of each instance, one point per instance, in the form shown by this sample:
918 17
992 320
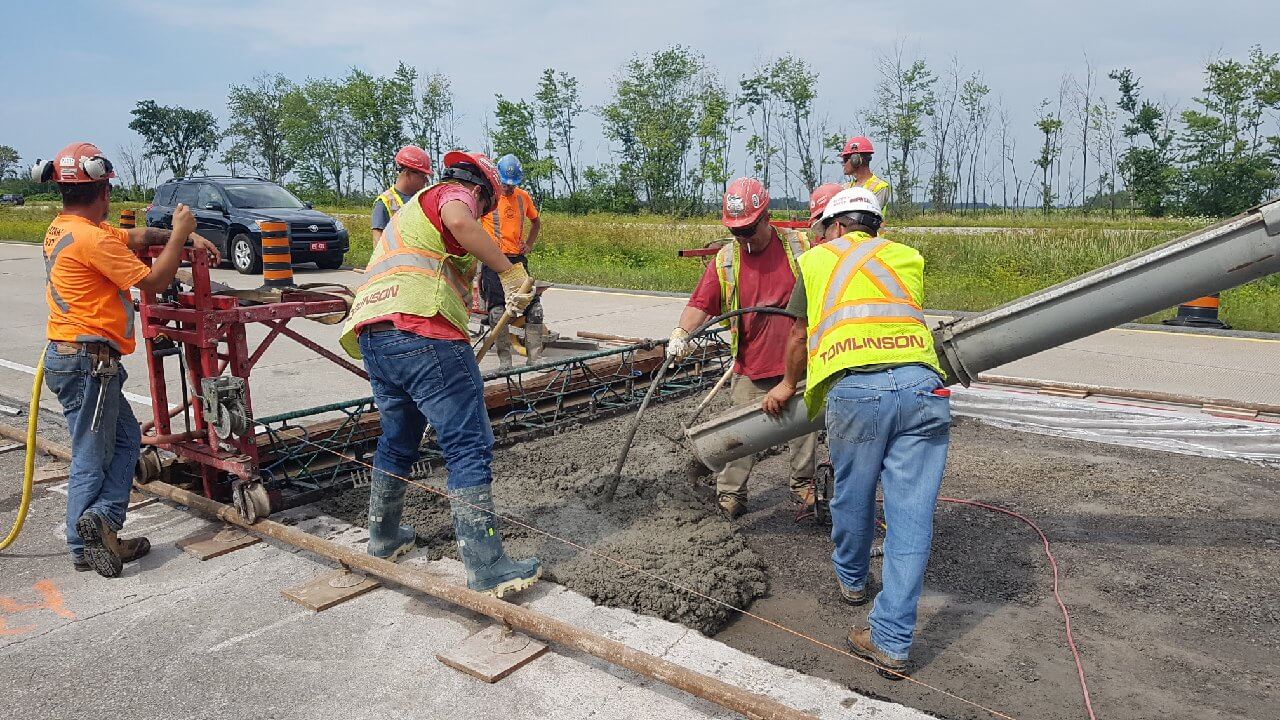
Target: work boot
534 334
805 500
100 545
489 570
861 644
133 548
502 343
731 506
388 539
860 596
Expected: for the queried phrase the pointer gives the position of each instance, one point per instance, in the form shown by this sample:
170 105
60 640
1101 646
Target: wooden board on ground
216 543
53 472
493 653
329 589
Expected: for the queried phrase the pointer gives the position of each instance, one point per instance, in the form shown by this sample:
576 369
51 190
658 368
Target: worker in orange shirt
89 268
506 226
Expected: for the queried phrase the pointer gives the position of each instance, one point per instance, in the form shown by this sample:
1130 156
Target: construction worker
856 157
758 269
861 344
89 268
409 324
413 166
506 226
818 200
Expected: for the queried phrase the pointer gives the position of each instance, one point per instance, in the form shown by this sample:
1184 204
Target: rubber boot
388 539
501 344
534 333
489 570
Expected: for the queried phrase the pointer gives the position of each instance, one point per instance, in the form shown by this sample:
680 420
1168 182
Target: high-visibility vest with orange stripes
411 272
864 298
728 266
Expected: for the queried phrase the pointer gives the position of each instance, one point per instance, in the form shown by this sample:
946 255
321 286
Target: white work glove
679 345
512 282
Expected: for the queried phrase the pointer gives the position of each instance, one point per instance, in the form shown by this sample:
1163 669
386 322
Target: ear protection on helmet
96 167
42 171
855 160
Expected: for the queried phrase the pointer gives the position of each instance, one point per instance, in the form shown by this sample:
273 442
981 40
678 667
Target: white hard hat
852 200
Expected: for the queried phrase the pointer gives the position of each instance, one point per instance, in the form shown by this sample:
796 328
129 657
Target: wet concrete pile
663 520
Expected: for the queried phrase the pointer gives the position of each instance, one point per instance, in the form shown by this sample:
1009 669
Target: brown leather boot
861 644
100 544
731 506
133 548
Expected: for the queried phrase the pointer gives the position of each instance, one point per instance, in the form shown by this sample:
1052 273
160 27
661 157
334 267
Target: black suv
228 210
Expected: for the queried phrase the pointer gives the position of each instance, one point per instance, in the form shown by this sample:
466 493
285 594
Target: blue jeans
418 380
102 462
887 426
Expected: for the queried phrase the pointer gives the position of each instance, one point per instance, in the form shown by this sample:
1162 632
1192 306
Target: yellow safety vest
390 199
728 265
875 185
864 299
411 272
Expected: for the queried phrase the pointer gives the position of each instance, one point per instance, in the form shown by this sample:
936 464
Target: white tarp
1168 428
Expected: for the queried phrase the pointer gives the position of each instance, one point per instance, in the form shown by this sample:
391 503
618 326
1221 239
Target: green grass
1058 219
29 222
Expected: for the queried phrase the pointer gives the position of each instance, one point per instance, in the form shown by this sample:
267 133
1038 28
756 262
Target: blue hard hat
509 170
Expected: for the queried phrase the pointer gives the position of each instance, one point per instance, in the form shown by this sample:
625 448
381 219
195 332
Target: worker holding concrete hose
856 158
90 267
861 344
758 268
409 324
413 170
506 225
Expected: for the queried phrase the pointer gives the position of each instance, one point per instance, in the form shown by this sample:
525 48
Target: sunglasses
743 232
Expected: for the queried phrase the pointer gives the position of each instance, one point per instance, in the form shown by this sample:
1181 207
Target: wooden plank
329 589
493 653
216 543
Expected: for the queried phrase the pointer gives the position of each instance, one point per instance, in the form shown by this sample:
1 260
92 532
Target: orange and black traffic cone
1201 312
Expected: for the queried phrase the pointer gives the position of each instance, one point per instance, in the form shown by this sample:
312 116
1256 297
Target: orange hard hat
745 200
414 158
857 144
819 198
488 171
79 162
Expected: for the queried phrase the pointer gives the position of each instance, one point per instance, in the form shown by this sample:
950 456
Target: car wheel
245 255
333 261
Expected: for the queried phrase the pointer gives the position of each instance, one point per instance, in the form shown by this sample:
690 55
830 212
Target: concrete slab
179 638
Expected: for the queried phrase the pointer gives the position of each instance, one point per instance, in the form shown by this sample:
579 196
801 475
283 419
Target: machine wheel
250 500
825 480
245 256
332 261
149 467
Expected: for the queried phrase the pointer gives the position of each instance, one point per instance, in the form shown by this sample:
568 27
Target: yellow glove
679 345
513 281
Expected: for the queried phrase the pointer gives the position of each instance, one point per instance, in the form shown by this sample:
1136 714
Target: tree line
677 131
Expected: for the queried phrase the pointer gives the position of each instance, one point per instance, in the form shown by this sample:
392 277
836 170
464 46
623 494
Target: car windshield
261 195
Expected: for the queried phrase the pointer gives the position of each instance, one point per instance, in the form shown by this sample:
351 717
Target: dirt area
1170 566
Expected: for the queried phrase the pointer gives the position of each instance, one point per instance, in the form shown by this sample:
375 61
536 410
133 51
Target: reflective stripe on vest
411 257
728 263
49 261
860 310
390 199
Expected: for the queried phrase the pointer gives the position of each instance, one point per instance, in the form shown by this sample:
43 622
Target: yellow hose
29 470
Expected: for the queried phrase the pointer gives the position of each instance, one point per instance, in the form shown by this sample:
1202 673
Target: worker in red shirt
89 268
757 269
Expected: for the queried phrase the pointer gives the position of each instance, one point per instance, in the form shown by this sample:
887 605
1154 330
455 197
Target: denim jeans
102 462
418 380
889 427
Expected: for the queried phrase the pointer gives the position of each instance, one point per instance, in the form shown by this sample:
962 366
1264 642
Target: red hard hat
857 144
480 160
745 200
819 197
80 162
414 158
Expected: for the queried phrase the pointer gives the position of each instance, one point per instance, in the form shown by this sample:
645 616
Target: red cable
1053 563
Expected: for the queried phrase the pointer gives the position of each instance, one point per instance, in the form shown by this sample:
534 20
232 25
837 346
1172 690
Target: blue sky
73 70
